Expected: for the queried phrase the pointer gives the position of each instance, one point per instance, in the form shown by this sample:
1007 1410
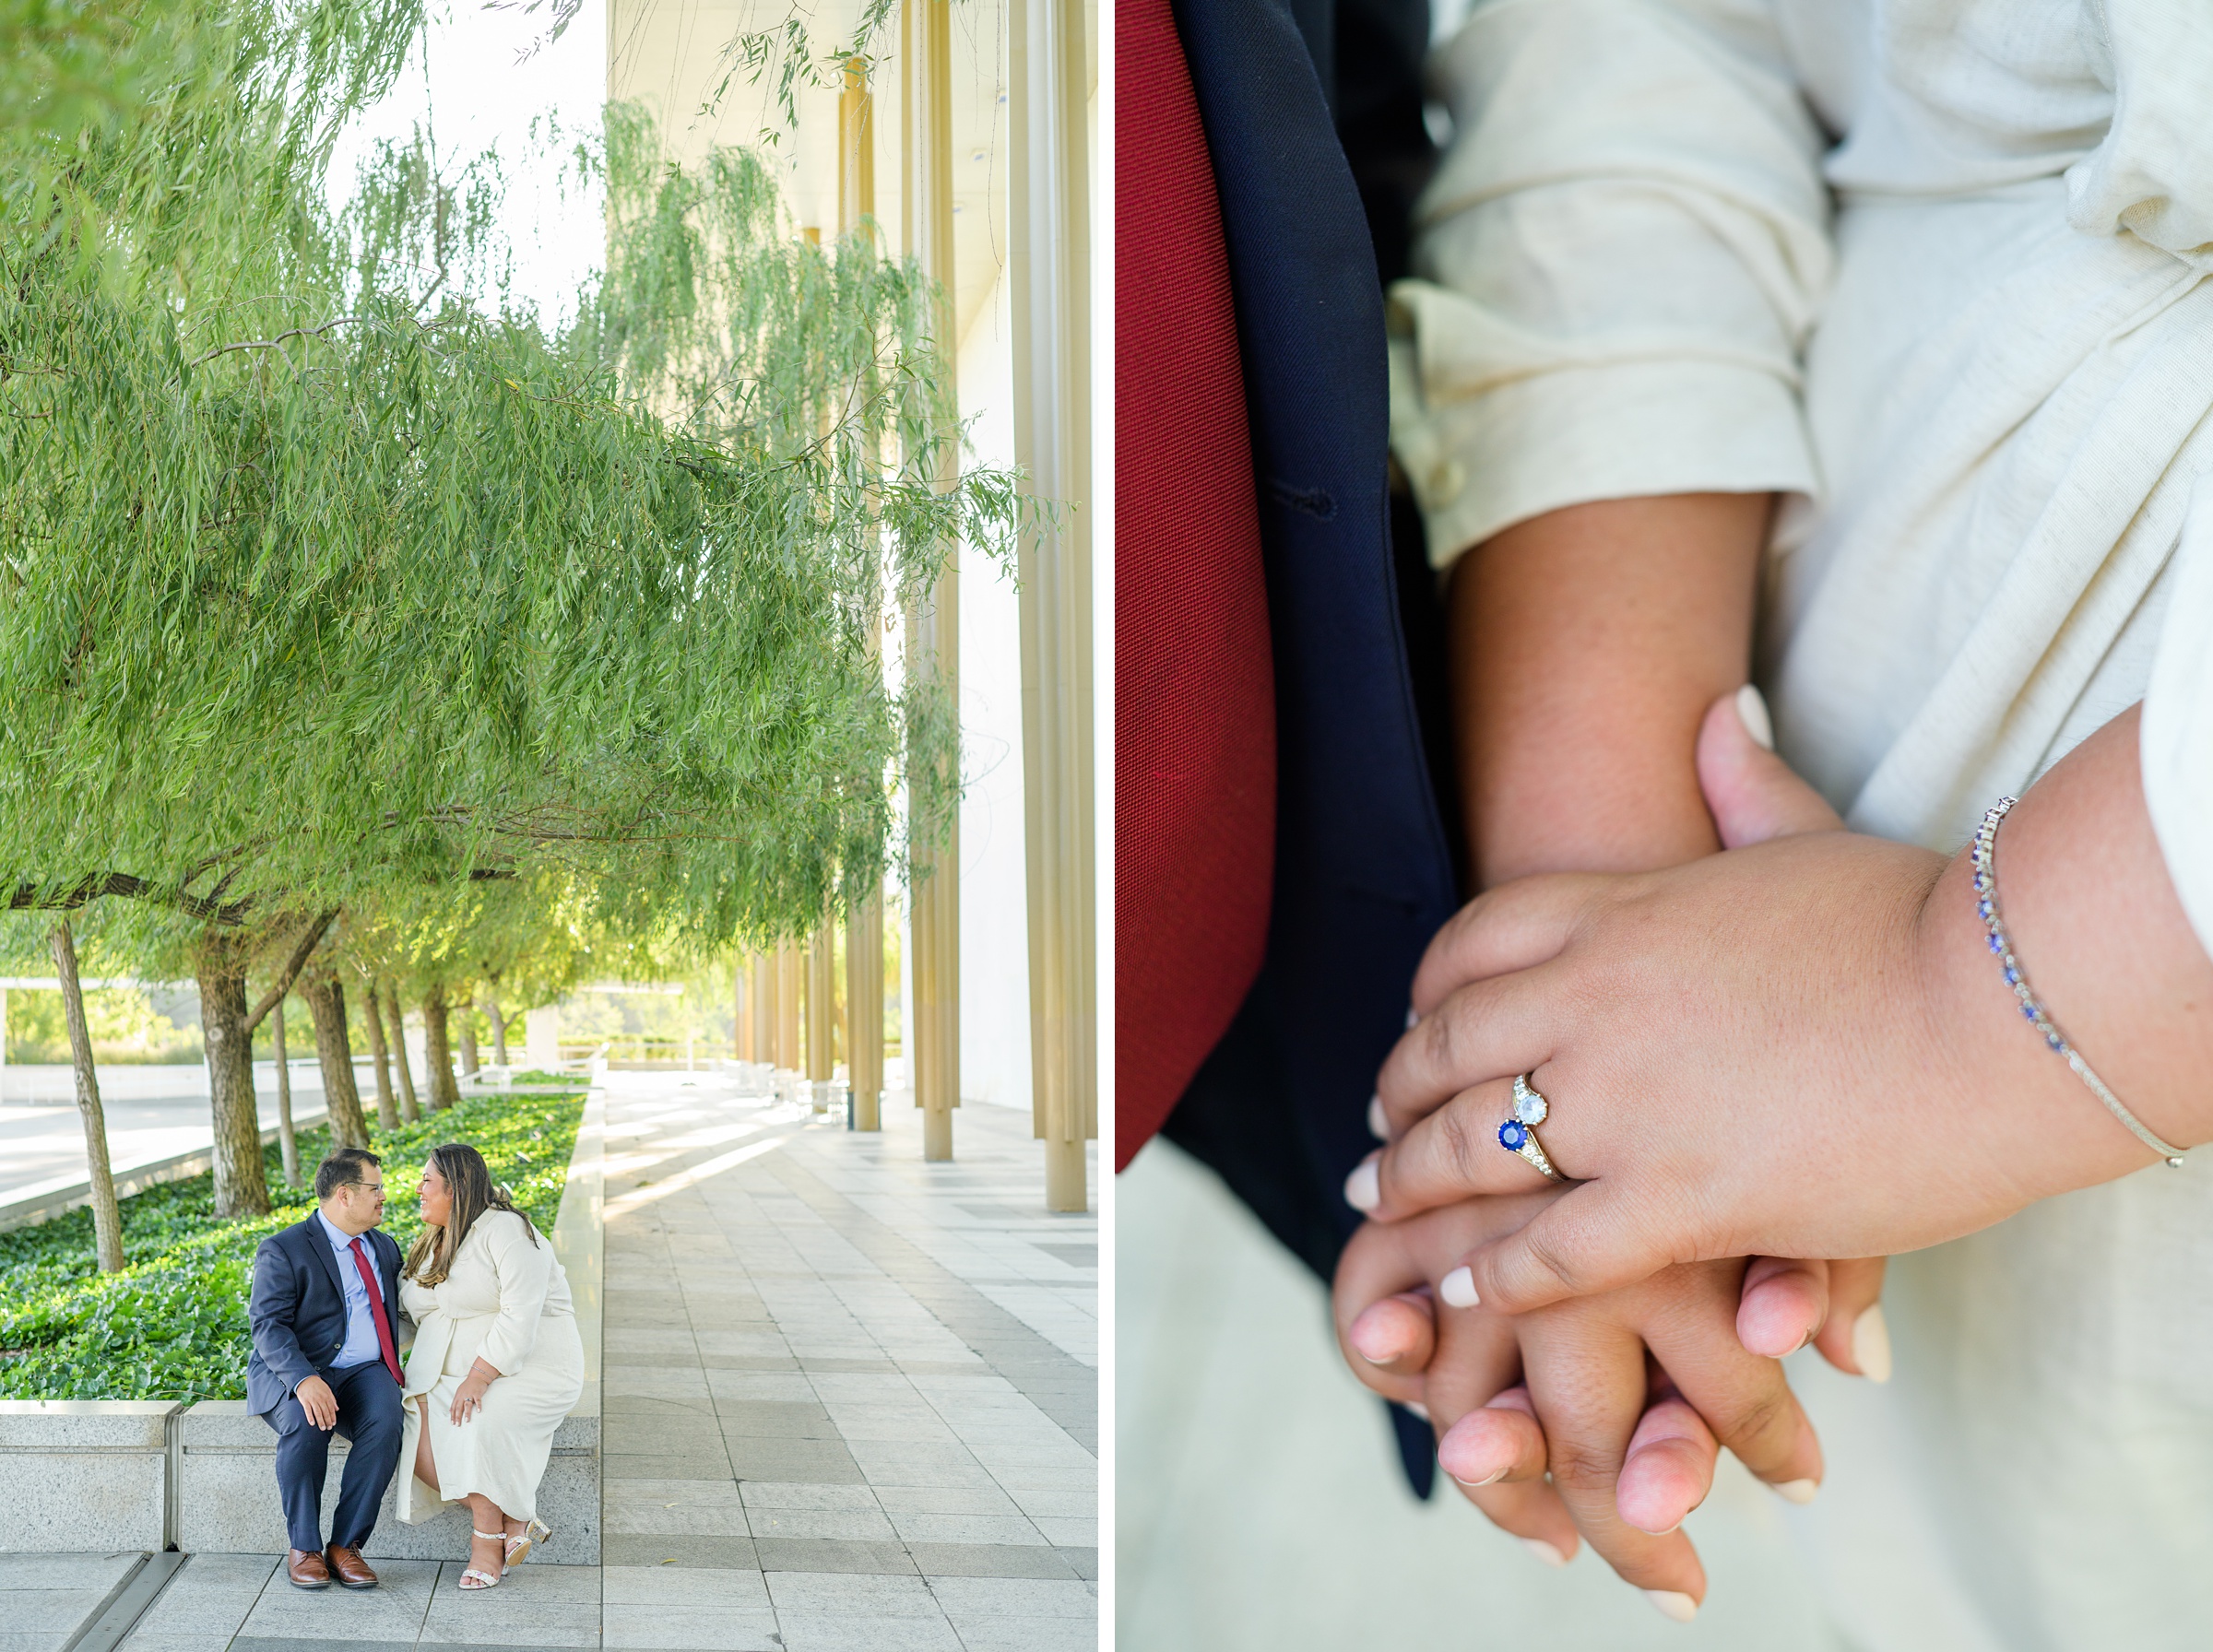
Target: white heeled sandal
533 1534
483 1579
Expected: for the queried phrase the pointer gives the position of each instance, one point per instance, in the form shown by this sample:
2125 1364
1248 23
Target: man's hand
320 1404
1628 1442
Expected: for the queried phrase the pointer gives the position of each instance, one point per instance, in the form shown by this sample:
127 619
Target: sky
472 92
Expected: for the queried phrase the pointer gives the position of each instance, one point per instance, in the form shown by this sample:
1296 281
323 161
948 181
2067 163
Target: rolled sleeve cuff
1572 435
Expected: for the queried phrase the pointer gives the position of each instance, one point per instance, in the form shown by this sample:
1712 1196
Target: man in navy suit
1312 117
327 1357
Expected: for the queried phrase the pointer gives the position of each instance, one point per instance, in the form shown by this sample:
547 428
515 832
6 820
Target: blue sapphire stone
1511 1135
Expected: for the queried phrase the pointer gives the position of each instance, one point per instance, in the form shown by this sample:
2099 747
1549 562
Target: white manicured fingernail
1363 1187
1673 1603
1752 712
1871 1345
1544 1551
1417 1408
1458 1288
1378 1125
1796 1490
1413 1021
1488 1480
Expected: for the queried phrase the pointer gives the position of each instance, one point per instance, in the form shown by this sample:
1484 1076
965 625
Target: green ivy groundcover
172 1324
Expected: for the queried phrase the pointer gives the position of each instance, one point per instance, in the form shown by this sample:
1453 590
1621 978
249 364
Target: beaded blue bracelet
1986 904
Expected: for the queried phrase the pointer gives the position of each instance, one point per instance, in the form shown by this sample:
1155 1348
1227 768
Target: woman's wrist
2095 930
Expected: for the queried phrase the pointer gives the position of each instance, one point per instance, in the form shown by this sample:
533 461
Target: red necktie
376 1302
1194 682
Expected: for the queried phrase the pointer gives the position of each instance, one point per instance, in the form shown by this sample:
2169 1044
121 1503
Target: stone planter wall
84 1474
102 1475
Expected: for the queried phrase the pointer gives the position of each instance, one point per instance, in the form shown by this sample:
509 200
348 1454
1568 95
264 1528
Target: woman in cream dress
1939 273
496 1363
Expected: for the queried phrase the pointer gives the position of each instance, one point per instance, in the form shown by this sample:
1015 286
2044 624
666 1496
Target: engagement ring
1518 1135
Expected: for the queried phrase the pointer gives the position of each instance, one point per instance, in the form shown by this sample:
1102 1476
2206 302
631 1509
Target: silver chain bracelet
1986 904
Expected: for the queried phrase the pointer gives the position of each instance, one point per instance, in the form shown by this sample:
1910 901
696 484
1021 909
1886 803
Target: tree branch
28 897
298 962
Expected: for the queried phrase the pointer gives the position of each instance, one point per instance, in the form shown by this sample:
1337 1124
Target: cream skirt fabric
501 1452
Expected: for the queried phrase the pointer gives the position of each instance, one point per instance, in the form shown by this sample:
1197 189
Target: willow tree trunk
469 1063
326 1004
499 1027
287 1138
241 1187
407 1108
107 1220
437 1055
387 1115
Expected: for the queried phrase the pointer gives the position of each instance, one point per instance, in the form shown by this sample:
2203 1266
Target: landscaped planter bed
173 1324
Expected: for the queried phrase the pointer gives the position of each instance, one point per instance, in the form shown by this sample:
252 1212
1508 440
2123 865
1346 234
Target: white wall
995 981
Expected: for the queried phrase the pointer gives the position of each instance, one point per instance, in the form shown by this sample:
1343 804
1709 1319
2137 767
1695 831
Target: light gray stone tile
696 1586
680 1628
41 1611
1069 1533
848 1524
966 1597
824 1462
965 1528
815 1632
98 1573
986 1498
775 1386
685 1494
713 1520
1029 1634
673 1553
994 1560
783 1495
833 1555
1078 1503
865 1594
141 1639
707 1463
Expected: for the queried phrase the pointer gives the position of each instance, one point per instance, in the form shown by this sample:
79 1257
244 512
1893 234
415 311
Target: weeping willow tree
328 572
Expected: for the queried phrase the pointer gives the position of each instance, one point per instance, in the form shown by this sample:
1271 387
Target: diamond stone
1528 1106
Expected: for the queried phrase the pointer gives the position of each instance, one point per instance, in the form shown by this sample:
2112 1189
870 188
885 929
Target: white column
1050 267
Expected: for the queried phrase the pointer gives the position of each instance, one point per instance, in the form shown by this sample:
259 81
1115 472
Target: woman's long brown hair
469 1178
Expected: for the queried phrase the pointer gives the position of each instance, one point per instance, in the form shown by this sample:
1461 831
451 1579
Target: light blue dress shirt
361 1347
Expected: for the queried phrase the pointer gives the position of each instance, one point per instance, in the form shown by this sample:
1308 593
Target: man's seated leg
303 1458
371 1418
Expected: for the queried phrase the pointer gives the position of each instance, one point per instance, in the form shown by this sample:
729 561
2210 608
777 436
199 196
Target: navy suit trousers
369 1417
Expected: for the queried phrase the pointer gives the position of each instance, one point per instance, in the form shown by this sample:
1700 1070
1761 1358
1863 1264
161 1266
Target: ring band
1518 1135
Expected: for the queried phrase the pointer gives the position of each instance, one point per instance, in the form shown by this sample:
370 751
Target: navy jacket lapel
317 1241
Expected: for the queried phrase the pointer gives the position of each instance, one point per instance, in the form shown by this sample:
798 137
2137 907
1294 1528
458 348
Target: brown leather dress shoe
307 1571
351 1571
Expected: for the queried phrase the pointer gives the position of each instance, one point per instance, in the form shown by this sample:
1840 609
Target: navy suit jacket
299 1308
1365 854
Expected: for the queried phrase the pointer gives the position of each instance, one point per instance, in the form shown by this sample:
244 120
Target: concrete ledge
227 1493
84 1474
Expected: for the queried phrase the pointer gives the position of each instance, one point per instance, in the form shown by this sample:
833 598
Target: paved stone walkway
850 1398
850 1401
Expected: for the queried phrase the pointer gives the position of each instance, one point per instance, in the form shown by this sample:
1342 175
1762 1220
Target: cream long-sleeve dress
504 1300
1938 271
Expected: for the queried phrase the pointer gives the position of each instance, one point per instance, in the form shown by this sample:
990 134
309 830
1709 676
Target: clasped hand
1637 1387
